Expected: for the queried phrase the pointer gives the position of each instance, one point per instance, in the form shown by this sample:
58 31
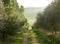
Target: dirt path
33 37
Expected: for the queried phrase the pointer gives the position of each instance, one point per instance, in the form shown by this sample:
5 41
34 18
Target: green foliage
11 25
50 18
43 39
13 19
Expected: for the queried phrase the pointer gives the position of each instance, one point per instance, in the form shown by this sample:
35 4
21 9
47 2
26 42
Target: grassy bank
43 39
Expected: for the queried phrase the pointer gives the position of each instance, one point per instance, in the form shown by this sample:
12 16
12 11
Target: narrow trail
33 37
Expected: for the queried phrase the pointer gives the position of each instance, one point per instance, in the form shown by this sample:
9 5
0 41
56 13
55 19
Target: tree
12 18
50 19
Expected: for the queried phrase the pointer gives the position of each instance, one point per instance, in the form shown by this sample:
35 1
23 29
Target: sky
34 3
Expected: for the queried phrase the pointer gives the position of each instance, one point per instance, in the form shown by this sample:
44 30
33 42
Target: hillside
31 13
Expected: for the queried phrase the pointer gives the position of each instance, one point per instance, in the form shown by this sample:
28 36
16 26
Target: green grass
43 39
19 39
15 39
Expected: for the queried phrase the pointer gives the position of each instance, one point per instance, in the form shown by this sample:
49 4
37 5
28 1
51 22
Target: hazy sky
34 3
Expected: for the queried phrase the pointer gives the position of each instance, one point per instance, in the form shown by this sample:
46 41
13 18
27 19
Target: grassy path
33 38
30 38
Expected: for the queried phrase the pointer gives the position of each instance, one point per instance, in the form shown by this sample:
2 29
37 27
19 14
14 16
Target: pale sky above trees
34 3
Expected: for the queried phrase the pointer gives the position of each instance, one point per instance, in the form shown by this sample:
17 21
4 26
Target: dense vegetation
12 19
49 21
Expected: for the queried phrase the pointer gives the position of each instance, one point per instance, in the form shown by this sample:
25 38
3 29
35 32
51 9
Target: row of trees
12 18
50 19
